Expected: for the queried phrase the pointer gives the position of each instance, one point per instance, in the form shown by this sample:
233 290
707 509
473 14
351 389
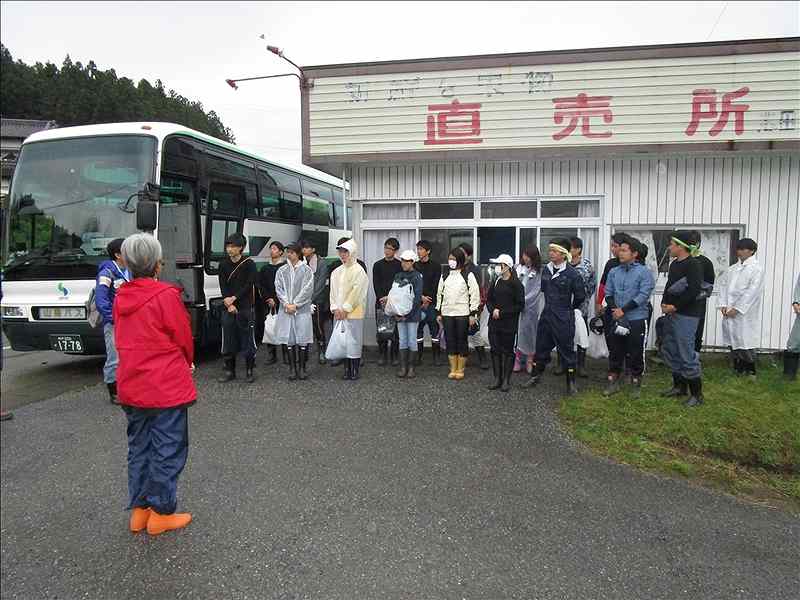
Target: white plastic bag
597 346
400 300
270 329
337 345
581 332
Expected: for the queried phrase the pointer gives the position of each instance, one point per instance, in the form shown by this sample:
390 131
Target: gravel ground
378 489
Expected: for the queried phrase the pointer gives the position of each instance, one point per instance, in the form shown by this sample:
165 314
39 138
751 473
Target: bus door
179 234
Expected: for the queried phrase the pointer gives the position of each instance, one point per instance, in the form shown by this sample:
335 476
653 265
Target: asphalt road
426 489
34 376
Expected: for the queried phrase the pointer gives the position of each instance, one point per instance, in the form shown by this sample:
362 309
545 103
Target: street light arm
233 82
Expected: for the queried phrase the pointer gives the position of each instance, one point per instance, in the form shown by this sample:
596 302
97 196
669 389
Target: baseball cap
503 259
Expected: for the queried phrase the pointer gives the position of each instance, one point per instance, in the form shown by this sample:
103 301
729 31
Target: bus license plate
70 344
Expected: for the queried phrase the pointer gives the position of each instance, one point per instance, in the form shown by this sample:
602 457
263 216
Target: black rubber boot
749 368
507 362
678 388
302 355
482 362
403 363
497 371
790 363
582 363
572 389
412 359
250 365
394 353
536 375
285 354
383 353
355 372
559 370
112 393
614 385
294 359
418 354
696 393
321 351
229 370
273 355
348 369
436 351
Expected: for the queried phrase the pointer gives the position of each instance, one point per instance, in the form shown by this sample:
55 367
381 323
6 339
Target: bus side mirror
146 215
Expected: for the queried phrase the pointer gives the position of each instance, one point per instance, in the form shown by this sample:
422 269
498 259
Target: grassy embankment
745 439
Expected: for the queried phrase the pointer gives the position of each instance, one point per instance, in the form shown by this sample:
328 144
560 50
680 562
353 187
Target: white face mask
452 264
498 269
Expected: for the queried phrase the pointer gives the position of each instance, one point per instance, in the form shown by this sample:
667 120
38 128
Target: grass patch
745 439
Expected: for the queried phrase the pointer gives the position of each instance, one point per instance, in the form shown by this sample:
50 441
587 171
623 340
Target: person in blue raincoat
564 292
111 274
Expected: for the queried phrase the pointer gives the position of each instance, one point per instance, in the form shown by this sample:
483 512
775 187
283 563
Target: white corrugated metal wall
760 192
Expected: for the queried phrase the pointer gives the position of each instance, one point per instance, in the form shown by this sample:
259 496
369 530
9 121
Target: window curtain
389 212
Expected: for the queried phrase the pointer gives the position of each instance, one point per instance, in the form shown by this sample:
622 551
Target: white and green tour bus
75 189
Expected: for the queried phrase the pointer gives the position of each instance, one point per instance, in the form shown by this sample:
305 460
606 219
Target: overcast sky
194 47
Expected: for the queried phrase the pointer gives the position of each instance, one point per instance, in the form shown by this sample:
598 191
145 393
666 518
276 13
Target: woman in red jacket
154 382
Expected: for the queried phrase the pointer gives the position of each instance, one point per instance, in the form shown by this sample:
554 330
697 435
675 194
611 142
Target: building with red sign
505 150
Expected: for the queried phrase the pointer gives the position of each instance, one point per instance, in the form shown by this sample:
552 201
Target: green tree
78 94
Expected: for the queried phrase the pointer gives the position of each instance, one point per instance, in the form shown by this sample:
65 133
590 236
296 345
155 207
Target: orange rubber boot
160 523
139 518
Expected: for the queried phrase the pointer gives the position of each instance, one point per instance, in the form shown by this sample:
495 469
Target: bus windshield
69 199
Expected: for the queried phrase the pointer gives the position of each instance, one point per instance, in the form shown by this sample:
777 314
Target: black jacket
238 280
431 274
383 272
685 302
266 282
509 297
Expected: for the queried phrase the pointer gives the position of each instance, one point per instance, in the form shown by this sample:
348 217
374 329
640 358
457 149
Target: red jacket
155 346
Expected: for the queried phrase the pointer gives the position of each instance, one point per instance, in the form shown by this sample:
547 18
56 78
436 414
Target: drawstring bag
270 329
385 326
400 300
93 315
337 345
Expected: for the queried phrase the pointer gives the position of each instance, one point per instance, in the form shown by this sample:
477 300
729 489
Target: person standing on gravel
154 381
349 287
294 286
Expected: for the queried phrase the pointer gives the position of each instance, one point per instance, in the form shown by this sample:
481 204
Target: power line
724 8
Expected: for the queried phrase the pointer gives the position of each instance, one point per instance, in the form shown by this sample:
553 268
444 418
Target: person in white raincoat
294 286
530 274
740 305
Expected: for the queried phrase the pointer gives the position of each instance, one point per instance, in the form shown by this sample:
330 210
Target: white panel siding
633 102
760 192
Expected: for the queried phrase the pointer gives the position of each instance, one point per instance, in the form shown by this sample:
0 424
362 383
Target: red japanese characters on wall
582 108
704 106
454 123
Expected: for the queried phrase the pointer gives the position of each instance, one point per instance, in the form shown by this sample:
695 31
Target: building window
388 212
446 210
570 209
510 210
719 245
443 240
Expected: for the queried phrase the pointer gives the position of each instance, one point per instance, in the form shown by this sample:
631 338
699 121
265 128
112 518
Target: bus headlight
13 312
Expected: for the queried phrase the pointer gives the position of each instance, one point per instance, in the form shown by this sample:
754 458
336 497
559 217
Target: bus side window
226 199
220 229
269 196
290 198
